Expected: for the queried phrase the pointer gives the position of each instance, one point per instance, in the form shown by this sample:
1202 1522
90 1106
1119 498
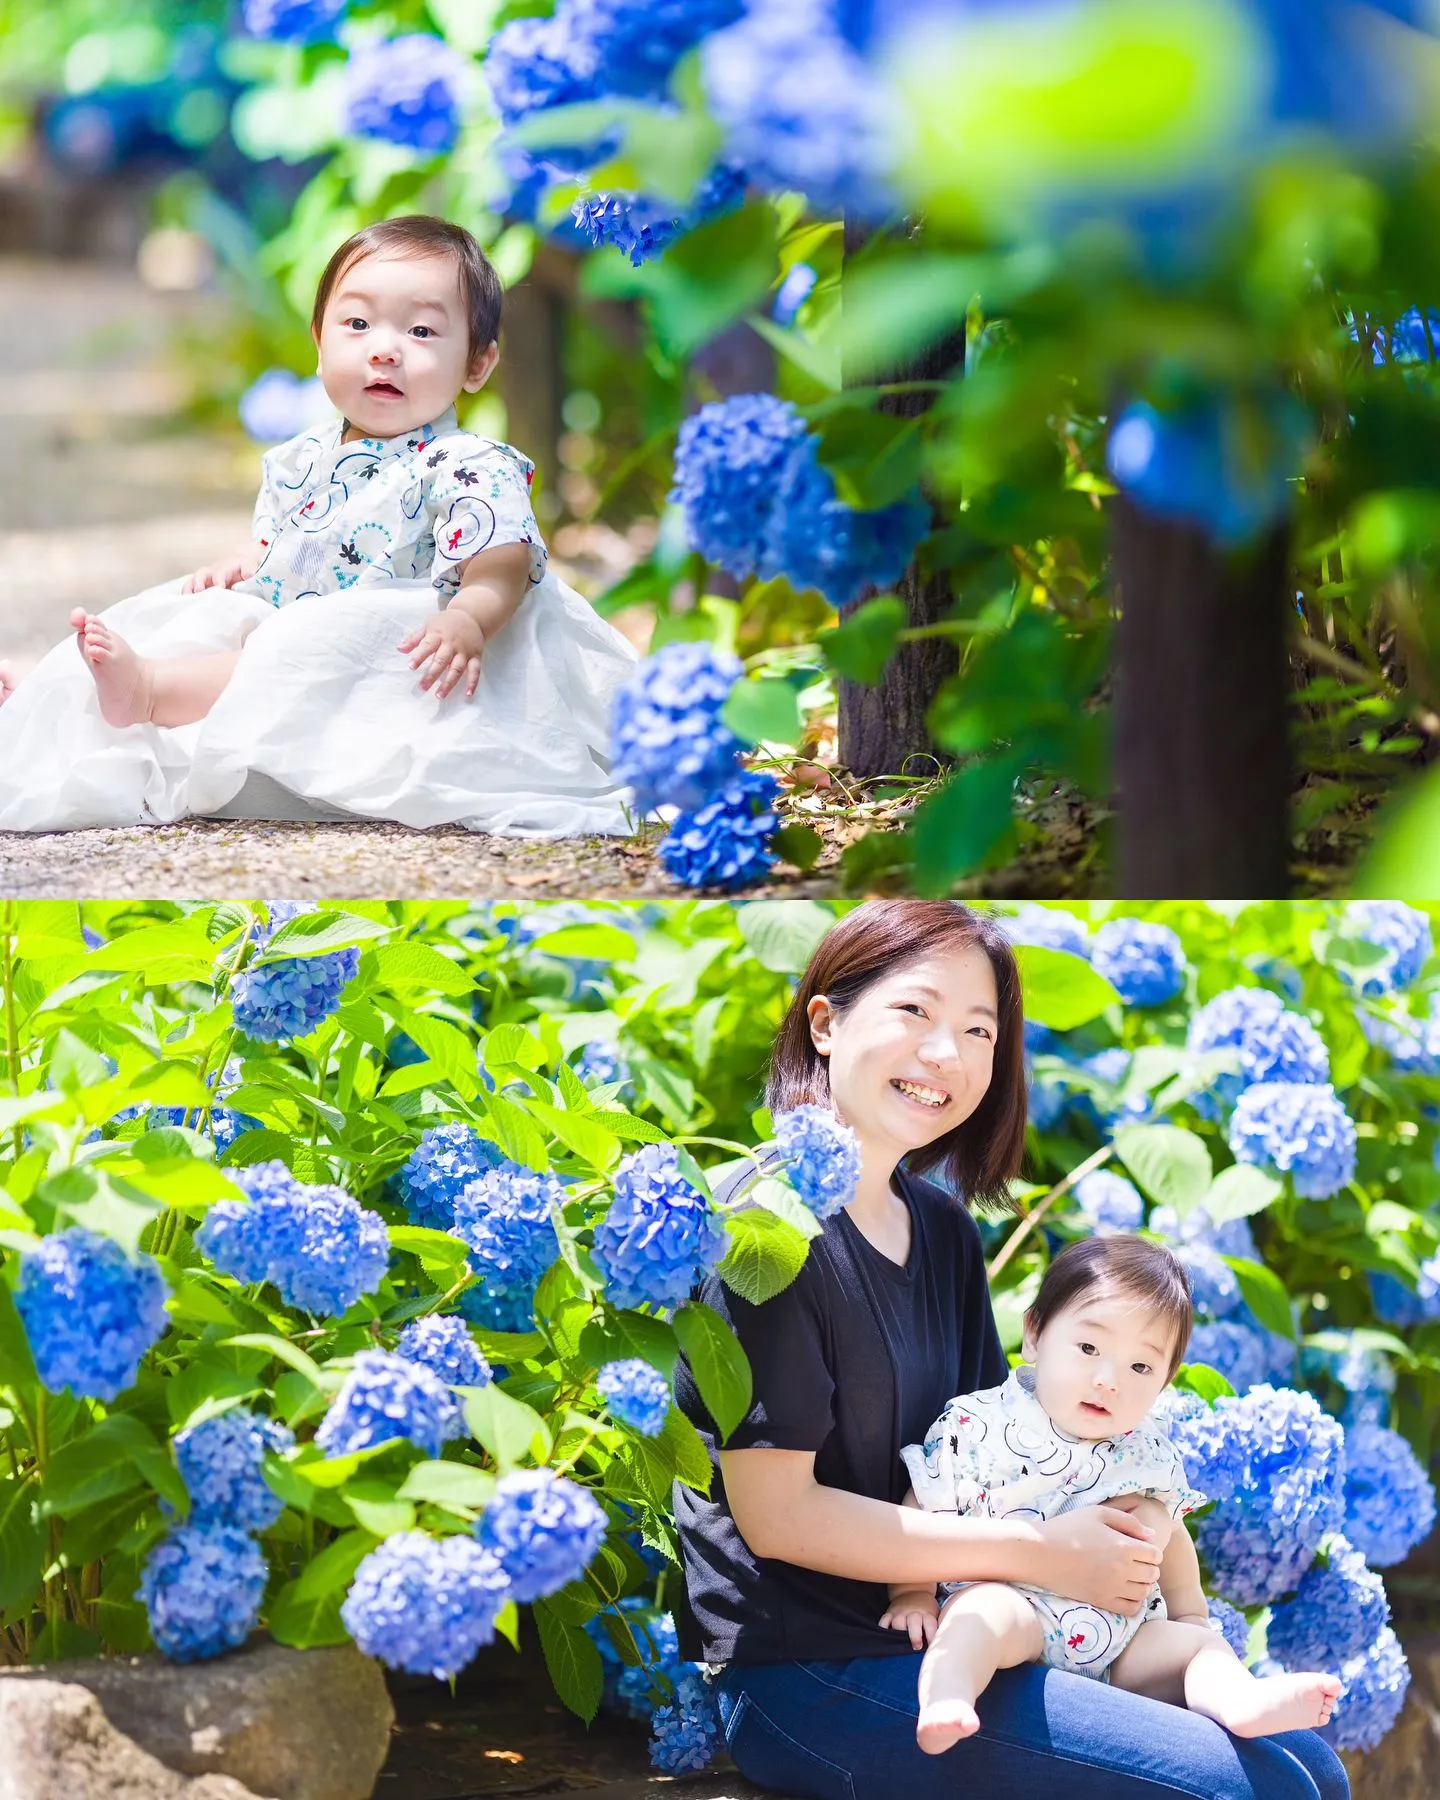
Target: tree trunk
1202 762
883 726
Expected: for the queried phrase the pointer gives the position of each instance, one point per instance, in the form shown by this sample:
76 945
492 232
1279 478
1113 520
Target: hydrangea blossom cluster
629 1690
1230 1622
318 1245
1232 1237
822 1157
756 499
90 1312
222 1460
725 843
1413 1043
202 1586
1299 1128
1108 1202
1275 1463
605 1064
294 21
424 1604
280 404
505 1218
641 225
670 743
1213 1286
1144 963
659 1235
636 1394
290 997
1270 1042
385 1397
1389 1498
1397 1304
686 1733
406 90
543 1528
1401 931
444 1162
1243 1353
1337 1612
443 1344
1376 1683
1050 928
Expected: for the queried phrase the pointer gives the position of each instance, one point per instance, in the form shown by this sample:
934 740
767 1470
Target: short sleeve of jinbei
477 496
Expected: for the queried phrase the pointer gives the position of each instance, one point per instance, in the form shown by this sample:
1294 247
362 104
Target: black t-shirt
854 1359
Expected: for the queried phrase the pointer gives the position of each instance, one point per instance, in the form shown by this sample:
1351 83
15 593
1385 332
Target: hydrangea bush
396 1360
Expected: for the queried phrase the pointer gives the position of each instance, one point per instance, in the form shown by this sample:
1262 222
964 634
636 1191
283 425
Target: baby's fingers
451 676
472 679
929 1626
411 639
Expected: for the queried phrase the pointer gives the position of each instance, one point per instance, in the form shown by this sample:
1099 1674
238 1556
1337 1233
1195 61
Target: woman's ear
822 1018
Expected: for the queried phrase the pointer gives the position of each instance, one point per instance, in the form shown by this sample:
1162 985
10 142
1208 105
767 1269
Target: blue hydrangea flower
443 1344
1109 1202
1144 963
729 461
1283 1462
792 293
1370 1702
1397 1304
725 843
532 65
202 1587
659 1236
222 1460
444 1162
1213 1286
1213 1453
278 405
1337 1612
642 226
636 1394
801 109
1233 1237
286 999
686 1734
1389 1499
1413 1043
1049 927
605 1064
822 1157
1270 1043
670 744
1233 1348
1230 1622
90 1312
385 1397
295 21
424 1604
1402 931
639 42
318 1245
505 1219
544 1529
406 90
1298 1128
630 1691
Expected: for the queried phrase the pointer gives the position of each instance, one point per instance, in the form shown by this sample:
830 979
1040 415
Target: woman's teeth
927 1096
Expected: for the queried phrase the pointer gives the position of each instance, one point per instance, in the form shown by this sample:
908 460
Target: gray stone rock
1406 1764
56 1744
293 1724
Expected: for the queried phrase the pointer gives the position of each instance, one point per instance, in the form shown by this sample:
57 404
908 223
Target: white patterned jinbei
362 542
997 1453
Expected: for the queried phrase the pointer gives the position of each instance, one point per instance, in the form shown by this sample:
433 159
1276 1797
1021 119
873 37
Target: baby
387 542
1070 1428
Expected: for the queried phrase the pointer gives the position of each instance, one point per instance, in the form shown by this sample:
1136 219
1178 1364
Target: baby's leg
139 690
1190 1665
982 1629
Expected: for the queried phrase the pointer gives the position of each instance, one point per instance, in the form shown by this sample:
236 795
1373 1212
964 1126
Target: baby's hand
452 643
1149 1511
225 574
915 1610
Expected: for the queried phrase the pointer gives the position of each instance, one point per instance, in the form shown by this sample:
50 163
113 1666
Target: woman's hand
1149 1511
1100 1555
452 644
226 574
913 1610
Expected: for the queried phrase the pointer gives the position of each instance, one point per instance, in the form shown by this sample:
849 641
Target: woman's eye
983 1030
912 1007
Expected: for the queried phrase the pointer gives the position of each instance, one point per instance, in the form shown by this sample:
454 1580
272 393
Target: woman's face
911 1058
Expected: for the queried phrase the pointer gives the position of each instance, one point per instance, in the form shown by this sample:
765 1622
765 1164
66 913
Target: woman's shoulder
945 1215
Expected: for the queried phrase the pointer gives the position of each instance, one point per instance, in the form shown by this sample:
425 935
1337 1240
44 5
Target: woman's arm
1097 1554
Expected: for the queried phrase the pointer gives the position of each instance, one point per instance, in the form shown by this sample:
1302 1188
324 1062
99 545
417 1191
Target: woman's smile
923 1094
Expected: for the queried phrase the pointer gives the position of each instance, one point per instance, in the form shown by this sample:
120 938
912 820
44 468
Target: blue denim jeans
846 1731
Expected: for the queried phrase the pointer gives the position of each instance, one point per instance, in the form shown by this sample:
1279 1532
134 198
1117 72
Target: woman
908 1021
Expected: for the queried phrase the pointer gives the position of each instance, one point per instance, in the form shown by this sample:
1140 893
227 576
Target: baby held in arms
1071 1427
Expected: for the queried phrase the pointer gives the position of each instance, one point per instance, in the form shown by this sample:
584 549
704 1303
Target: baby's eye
1086 1349
425 329
1141 1368
355 321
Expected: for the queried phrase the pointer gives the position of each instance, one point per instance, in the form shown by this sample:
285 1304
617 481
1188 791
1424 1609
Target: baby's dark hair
1148 1273
423 235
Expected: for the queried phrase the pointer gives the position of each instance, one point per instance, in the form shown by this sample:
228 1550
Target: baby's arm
1180 1580
1150 1511
452 641
912 1609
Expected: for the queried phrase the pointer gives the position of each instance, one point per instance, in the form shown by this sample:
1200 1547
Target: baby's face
395 343
1100 1364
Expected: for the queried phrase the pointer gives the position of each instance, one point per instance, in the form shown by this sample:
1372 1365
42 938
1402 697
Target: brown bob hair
1151 1274
980 1157
420 234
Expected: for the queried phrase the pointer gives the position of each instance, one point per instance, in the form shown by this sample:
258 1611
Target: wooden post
1202 765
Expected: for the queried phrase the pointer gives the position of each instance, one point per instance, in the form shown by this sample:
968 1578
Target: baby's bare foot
1274 1703
122 679
943 1723
8 681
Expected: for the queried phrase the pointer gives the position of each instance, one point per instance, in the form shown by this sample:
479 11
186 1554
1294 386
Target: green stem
209 1060
42 1457
8 935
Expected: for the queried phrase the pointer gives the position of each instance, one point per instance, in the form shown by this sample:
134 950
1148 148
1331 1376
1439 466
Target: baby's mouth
386 390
